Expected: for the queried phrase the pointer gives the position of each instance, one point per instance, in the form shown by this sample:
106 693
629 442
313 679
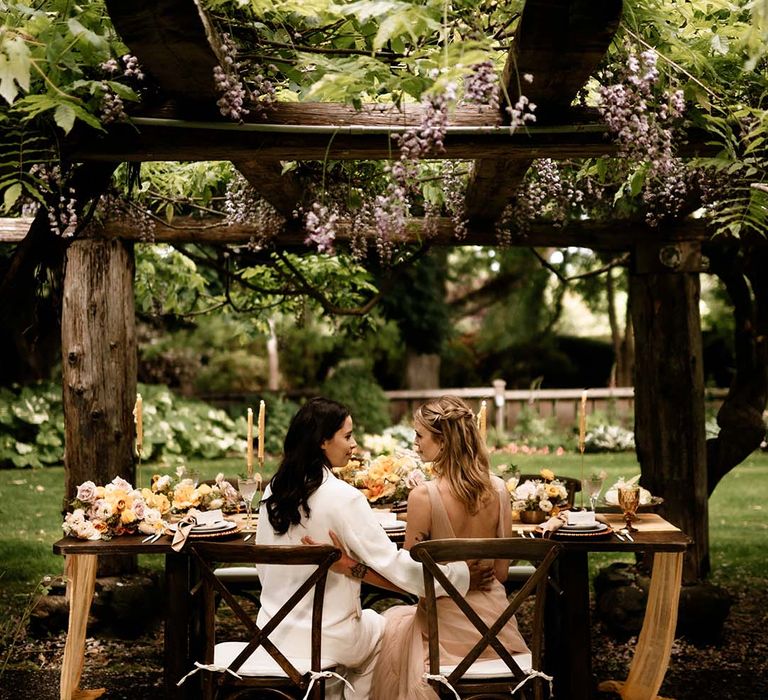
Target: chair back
208 555
432 553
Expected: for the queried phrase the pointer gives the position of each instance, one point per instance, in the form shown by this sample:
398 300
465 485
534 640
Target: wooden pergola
561 42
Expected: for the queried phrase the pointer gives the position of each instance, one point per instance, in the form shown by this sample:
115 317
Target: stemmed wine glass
248 488
629 500
593 486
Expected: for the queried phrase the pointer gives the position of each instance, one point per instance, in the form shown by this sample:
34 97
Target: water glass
248 488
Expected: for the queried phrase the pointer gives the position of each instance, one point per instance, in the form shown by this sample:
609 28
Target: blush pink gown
403 658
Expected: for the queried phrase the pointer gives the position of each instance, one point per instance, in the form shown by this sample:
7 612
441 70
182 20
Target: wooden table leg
176 637
567 630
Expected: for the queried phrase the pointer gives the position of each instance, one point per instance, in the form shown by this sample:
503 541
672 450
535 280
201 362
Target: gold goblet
629 500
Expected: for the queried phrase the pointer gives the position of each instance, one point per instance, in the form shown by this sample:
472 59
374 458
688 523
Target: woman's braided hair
463 457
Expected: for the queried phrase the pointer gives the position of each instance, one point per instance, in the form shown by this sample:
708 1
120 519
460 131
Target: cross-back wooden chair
257 662
473 678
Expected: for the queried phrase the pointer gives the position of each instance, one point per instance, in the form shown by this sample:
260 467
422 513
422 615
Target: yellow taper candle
262 411
138 419
583 421
482 420
249 444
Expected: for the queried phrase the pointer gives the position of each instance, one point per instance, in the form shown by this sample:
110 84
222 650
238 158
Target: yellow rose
127 517
204 489
185 495
100 492
547 474
553 491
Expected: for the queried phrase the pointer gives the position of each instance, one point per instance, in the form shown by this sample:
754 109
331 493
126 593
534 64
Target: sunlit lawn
31 502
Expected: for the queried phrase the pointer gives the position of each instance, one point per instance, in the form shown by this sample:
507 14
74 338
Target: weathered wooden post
669 389
99 366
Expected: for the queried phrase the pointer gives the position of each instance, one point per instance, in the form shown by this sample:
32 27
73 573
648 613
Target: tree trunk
669 404
422 371
740 418
99 368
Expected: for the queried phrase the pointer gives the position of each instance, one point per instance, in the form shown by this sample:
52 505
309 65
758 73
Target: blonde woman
464 500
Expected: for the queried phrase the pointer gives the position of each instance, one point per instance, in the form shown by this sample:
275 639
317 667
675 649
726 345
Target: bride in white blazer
306 501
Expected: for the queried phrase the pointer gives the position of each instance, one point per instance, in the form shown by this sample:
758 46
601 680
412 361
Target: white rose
86 492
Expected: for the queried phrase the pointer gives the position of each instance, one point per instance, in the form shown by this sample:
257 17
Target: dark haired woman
305 502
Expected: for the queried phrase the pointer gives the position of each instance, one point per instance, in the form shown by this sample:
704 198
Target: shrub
609 438
352 383
175 429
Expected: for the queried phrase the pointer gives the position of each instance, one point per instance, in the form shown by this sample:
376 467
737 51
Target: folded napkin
557 521
183 528
190 520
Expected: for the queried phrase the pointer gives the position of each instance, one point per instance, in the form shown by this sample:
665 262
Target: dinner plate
581 526
602 530
220 526
597 527
394 527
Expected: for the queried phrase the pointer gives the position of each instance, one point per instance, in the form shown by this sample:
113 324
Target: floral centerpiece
104 512
539 497
388 478
184 493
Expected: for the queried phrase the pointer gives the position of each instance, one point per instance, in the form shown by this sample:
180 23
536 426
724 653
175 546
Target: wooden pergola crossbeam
559 43
587 234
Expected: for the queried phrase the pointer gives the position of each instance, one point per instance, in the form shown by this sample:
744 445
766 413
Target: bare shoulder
418 497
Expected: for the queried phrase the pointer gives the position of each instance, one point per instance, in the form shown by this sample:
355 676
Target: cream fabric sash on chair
81 582
651 659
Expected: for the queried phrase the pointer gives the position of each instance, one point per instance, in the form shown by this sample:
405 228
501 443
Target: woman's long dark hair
301 471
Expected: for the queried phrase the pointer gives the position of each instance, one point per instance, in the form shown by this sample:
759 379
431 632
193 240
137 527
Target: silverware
147 539
626 534
247 537
615 532
156 537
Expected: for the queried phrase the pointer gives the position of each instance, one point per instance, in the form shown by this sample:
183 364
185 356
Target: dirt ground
737 669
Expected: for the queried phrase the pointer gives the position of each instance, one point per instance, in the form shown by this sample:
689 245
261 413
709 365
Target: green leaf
636 182
85 34
11 195
15 66
64 117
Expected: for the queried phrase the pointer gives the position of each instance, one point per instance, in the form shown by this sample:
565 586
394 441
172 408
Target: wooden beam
586 234
199 141
615 236
179 48
13 229
283 192
559 43
170 39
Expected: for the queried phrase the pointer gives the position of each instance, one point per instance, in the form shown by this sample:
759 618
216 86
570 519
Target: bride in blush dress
466 501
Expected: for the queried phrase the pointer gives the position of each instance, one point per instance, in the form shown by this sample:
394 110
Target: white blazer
340 507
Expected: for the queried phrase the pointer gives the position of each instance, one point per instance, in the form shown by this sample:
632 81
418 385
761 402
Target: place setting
201 525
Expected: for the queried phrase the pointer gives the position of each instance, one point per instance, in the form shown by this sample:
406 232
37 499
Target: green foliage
31 426
418 305
175 429
609 438
168 282
352 383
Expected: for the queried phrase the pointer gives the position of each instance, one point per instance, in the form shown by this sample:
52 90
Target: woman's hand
345 564
480 575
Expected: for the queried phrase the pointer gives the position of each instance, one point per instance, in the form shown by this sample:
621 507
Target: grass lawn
30 504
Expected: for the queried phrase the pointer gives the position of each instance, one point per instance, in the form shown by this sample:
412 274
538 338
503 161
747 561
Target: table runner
80 572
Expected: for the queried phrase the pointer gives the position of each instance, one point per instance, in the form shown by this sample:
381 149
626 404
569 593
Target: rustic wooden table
568 621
